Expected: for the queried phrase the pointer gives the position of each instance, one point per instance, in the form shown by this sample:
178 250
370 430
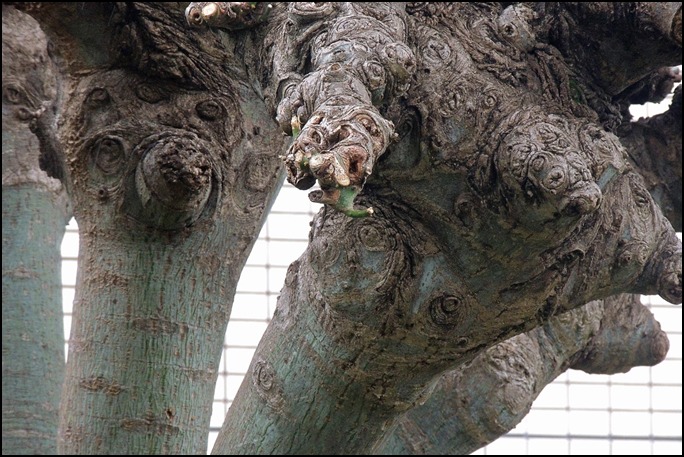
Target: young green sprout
342 196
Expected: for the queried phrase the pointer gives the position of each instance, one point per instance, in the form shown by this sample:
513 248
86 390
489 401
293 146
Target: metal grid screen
639 412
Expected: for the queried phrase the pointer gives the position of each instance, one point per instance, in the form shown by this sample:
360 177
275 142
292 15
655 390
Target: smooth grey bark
173 162
34 214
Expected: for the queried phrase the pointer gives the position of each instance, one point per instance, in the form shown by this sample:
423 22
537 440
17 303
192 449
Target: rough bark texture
464 413
481 137
173 161
34 213
506 199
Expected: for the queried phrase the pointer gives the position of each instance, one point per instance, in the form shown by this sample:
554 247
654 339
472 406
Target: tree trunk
34 214
174 164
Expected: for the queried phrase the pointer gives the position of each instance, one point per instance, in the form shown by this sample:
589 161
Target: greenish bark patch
32 329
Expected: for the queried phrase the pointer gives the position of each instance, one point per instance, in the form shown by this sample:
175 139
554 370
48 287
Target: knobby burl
165 172
504 197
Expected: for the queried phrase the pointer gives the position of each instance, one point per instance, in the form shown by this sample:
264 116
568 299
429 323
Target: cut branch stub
164 166
668 273
337 147
228 15
544 170
360 63
173 180
628 336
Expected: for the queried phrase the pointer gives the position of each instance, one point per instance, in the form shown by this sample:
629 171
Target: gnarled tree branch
507 200
482 400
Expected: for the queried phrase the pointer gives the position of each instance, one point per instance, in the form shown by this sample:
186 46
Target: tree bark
486 398
616 43
174 163
34 214
481 138
506 199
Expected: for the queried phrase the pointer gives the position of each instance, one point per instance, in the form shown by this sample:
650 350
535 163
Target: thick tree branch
505 200
618 42
361 61
484 399
504 203
653 88
628 336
